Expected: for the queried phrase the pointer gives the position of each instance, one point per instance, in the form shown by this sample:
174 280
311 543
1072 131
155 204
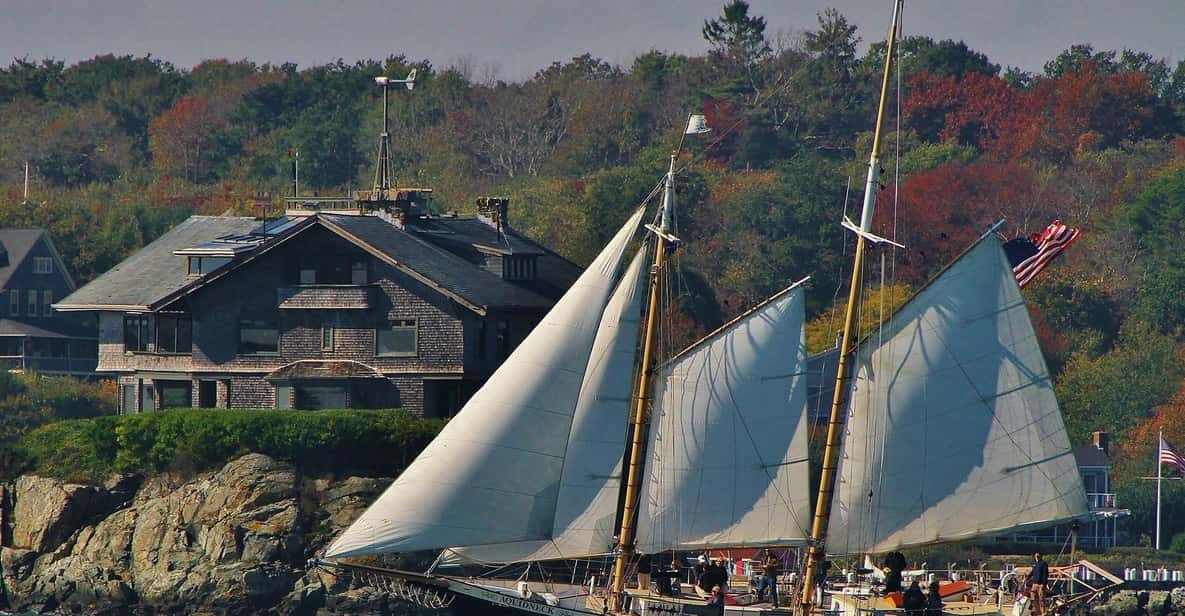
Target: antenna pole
1159 449
817 550
382 173
642 399
26 199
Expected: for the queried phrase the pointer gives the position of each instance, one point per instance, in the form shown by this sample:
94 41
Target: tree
829 104
738 42
181 137
1118 389
921 54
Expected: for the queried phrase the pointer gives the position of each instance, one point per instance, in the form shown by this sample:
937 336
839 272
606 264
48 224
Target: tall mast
817 550
642 399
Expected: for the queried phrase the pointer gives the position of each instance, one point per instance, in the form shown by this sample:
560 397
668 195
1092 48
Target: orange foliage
941 211
1047 121
178 137
1141 439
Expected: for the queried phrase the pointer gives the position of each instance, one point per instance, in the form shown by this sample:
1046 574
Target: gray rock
231 541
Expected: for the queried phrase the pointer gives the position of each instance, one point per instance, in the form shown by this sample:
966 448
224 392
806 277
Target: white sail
492 474
727 463
953 429
589 484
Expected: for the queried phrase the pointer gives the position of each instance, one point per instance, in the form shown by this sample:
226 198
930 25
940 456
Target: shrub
381 441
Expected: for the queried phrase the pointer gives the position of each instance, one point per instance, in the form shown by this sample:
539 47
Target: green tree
1114 391
921 54
738 42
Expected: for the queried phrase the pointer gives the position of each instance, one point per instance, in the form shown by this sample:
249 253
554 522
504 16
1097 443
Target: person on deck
716 599
1039 578
892 580
666 580
770 569
644 573
704 577
721 573
894 565
913 601
934 600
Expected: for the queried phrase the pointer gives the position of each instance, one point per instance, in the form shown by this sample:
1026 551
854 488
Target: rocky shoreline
232 541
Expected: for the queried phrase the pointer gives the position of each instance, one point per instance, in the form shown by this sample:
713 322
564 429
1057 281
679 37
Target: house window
258 336
14 302
308 275
283 396
174 334
205 265
518 268
127 393
42 265
147 396
47 303
32 303
503 339
479 347
319 395
399 339
137 333
358 273
175 394
327 334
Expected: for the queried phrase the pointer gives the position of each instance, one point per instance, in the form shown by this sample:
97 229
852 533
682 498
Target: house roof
1088 454
157 275
154 272
9 327
324 369
431 264
17 243
477 233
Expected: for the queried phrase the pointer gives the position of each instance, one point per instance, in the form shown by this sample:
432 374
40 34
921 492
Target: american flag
1030 255
1168 455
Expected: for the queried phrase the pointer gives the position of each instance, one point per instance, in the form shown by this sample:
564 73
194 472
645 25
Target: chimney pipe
1102 440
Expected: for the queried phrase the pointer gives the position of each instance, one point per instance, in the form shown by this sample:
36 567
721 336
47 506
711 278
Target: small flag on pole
1030 255
697 124
1168 455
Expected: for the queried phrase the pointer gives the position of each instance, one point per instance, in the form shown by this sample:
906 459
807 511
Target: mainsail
492 474
591 478
953 429
727 458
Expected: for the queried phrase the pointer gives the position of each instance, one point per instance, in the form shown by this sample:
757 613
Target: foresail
727 457
492 474
591 478
953 430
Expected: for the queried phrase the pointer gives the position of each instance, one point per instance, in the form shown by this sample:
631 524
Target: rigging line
880 480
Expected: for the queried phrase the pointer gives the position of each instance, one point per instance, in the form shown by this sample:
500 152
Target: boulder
233 541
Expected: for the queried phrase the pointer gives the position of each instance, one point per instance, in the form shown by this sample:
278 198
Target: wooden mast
642 399
817 550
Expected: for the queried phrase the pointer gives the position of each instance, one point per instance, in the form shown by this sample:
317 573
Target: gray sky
511 39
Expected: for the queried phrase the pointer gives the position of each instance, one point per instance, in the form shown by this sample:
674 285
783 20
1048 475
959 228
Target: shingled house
324 310
33 336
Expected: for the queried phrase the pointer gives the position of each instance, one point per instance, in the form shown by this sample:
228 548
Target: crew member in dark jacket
934 600
913 601
1039 578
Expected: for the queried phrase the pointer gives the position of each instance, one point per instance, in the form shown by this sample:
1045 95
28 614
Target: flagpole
1159 448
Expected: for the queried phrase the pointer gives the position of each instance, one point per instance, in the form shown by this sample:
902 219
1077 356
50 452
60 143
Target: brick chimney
1102 440
494 209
